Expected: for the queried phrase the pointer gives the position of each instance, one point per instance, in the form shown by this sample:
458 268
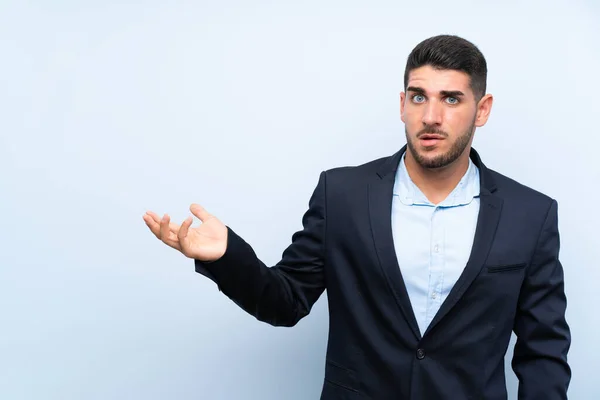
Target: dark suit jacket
512 281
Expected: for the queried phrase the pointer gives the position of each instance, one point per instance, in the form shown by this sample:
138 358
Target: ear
402 100
484 107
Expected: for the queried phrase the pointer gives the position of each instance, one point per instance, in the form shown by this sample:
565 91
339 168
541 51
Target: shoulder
364 170
521 202
507 183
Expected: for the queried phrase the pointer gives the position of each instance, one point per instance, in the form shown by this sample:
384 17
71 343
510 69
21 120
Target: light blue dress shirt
433 242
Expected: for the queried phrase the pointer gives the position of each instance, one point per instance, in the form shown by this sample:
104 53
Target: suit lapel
489 215
380 210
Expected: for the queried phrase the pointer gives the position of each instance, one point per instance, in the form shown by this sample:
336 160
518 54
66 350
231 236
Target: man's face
440 113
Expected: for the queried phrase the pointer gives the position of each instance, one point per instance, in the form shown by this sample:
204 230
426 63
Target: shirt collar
409 194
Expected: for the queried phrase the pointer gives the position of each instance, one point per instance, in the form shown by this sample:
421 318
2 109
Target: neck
437 183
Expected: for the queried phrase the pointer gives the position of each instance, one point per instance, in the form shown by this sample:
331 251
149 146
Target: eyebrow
446 93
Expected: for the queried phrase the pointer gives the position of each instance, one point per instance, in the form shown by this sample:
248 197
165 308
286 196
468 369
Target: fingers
153 224
200 212
183 232
166 235
170 233
163 229
154 216
174 227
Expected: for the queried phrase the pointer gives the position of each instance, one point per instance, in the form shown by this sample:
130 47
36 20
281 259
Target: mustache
431 130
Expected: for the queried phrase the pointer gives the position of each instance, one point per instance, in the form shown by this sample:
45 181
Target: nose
432 114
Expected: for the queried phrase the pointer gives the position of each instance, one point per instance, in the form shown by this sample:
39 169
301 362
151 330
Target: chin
431 163
432 158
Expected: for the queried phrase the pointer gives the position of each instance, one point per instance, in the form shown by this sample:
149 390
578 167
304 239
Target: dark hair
450 52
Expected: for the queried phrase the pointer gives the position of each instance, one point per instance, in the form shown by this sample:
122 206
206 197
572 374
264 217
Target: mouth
429 140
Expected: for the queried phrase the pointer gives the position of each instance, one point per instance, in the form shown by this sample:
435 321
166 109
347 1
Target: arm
285 293
543 336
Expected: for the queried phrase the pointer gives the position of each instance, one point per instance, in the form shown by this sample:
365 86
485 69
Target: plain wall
108 109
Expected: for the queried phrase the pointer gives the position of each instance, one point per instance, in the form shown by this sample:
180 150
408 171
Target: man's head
444 99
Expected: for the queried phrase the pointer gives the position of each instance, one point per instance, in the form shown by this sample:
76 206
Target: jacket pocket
492 269
340 377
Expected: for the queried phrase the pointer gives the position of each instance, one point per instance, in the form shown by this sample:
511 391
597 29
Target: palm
207 242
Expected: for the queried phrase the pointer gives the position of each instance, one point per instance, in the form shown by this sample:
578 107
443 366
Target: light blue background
111 108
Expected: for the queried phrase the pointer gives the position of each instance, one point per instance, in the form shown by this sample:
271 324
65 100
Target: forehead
435 80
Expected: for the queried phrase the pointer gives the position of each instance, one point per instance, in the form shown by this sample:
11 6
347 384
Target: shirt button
436 248
420 354
433 295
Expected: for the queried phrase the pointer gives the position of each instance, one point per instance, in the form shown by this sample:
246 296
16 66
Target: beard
442 160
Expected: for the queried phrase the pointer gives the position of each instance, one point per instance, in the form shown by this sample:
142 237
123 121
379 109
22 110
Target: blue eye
451 100
418 98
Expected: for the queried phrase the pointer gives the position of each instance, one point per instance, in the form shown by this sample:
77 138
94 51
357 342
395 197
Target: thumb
199 212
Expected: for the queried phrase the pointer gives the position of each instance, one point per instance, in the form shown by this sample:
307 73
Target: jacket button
420 354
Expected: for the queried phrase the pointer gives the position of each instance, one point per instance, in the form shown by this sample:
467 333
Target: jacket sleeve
283 294
543 335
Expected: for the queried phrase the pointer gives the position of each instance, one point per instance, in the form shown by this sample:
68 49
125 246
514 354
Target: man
429 258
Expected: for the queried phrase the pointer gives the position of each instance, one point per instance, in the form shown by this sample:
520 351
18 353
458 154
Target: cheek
457 122
411 117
